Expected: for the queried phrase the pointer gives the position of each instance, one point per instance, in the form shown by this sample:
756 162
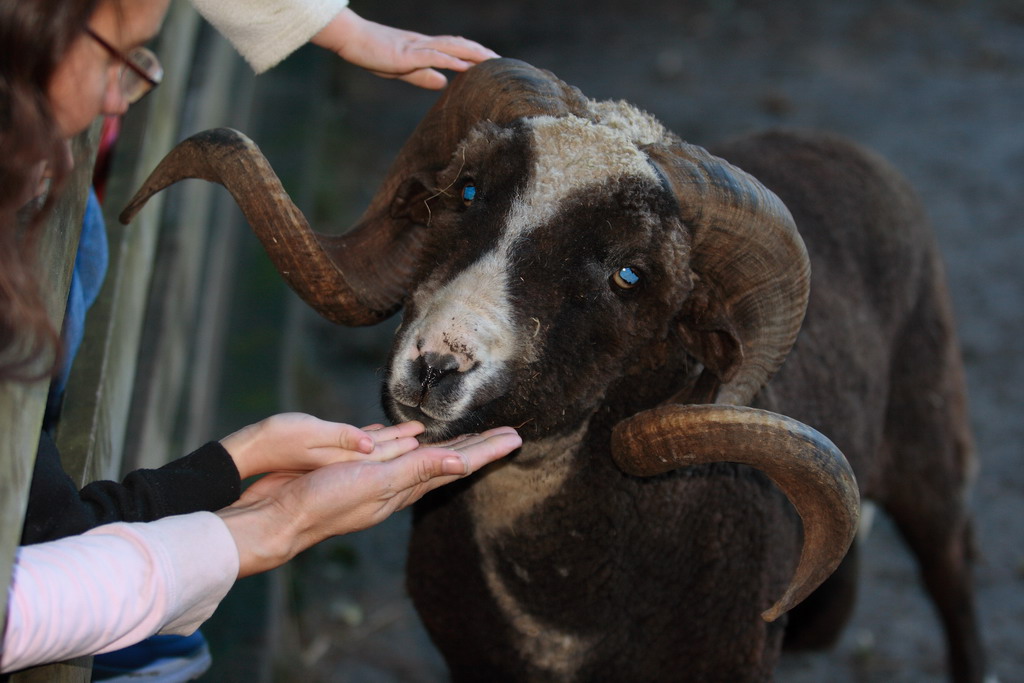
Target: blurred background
937 86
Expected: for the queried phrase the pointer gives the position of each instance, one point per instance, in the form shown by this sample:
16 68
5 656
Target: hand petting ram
695 355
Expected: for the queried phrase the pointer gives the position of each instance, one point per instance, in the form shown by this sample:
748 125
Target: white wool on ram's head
572 154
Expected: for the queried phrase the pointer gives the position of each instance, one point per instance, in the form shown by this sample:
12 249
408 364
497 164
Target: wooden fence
153 337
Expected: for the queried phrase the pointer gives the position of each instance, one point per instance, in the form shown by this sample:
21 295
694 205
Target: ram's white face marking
472 317
469 318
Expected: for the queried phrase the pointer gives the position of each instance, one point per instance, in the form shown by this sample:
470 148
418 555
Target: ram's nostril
433 367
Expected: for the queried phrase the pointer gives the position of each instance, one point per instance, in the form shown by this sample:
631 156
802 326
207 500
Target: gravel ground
937 86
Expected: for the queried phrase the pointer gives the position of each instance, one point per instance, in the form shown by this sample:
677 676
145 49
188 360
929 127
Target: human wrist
338 30
265 536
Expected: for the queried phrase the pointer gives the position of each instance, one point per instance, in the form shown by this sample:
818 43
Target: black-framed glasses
142 73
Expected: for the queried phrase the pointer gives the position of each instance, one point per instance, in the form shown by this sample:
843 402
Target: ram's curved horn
306 259
809 469
752 274
361 277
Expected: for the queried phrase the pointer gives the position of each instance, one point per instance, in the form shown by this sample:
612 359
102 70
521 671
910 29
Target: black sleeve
206 479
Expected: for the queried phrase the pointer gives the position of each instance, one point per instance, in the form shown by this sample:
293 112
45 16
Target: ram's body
556 565
573 269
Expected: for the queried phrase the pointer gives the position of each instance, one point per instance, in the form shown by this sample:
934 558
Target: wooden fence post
22 405
94 423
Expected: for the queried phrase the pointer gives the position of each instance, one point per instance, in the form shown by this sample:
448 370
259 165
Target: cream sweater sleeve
267 31
114 586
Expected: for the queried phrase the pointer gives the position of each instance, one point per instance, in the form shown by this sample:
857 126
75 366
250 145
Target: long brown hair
35 34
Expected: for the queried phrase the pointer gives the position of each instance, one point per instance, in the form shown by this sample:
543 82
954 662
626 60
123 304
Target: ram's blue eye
468 193
626 278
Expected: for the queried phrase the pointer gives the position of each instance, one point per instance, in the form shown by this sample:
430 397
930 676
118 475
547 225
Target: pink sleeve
114 586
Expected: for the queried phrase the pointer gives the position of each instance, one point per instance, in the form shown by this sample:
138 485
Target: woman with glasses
64 63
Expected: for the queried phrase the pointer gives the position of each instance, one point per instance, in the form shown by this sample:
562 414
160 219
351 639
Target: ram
672 338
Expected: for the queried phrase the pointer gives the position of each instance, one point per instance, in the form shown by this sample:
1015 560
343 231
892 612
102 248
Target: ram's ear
750 268
411 201
709 334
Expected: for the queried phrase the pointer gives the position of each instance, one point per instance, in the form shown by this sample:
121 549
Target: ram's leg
945 568
931 456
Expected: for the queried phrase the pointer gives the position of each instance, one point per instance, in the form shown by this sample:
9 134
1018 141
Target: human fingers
467 454
468 439
428 79
295 442
468 51
392 448
426 56
381 433
393 441
284 432
403 481
349 437
307 442
418 60
387 450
